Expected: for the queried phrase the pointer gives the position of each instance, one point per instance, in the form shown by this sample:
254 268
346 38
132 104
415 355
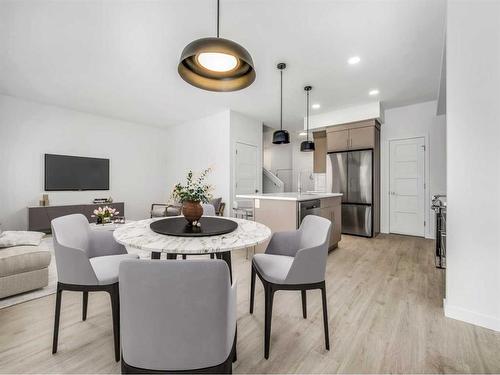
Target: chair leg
252 289
325 316
56 319
269 294
115 310
304 304
184 256
235 355
84 305
212 256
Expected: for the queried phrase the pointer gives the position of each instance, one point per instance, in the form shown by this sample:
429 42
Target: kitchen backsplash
319 182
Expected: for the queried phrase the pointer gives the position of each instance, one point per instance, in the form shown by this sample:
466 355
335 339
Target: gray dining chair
208 209
177 316
294 260
87 261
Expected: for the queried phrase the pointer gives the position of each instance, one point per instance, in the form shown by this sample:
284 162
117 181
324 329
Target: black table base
223 255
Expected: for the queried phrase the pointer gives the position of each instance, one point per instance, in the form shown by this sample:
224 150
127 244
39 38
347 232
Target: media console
39 217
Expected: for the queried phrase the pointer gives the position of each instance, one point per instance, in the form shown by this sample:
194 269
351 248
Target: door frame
426 207
233 172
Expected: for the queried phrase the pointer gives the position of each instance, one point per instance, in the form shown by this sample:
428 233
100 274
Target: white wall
138 161
200 144
302 163
473 113
276 157
282 158
210 142
418 120
367 111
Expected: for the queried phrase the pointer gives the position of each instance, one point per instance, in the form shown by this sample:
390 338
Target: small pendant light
281 136
307 145
216 64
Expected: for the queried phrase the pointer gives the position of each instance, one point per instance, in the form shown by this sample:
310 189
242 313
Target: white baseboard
472 317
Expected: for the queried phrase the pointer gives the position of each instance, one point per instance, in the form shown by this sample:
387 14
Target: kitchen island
285 211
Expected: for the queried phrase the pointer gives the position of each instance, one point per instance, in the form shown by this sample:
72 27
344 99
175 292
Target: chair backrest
309 264
71 235
158 210
176 315
71 231
314 231
208 209
216 202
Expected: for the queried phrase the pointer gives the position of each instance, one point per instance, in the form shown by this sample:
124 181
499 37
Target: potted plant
192 194
104 214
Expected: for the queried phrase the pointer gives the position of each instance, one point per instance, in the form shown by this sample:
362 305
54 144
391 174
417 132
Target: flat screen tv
63 172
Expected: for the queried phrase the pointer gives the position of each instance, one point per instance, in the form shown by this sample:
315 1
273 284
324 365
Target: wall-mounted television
63 172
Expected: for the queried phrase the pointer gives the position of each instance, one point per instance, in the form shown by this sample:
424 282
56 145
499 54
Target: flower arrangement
104 214
191 194
195 190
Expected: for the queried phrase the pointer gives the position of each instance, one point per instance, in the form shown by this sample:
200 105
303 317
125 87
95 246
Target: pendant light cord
281 100
307 114
218 18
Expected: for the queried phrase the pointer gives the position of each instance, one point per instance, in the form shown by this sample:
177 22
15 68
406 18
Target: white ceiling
119 58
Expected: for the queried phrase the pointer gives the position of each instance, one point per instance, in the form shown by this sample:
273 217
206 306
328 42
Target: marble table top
138 235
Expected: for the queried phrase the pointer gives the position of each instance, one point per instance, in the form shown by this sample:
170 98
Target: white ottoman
23 268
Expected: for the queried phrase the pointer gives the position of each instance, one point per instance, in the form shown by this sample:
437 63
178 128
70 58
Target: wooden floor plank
385 313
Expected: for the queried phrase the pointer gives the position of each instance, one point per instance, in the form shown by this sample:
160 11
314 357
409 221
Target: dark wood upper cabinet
354 136
319 157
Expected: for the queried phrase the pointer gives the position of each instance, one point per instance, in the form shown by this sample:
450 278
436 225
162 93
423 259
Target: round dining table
138 235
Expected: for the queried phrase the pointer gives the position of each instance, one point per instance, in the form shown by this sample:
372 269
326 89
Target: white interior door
246 169
406 187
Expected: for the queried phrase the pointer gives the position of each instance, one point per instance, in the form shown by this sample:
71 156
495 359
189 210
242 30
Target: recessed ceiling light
316 106
373 92
353 60
303 134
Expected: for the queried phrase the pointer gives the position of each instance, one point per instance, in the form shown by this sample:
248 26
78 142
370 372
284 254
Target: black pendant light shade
281 136
216 64
307 145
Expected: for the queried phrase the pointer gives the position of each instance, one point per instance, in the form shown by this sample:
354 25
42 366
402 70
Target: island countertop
294 196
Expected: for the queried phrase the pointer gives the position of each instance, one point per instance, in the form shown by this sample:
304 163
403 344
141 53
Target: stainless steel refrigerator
351 173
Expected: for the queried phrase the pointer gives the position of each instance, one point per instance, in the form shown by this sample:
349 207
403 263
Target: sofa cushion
11 238
18 259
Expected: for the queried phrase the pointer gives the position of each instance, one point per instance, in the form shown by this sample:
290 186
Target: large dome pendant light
307 145
216 64
281 136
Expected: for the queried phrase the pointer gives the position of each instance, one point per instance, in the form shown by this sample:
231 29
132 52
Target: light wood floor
385 312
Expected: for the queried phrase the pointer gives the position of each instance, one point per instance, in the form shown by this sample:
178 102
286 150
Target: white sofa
23 268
